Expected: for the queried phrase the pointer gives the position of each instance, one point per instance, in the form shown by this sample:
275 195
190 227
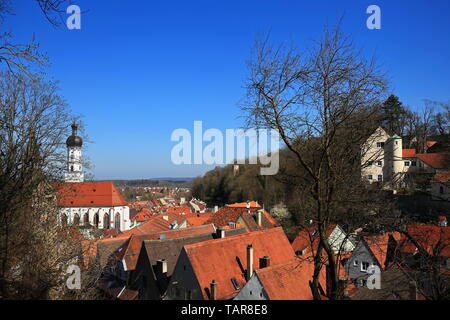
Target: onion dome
74 140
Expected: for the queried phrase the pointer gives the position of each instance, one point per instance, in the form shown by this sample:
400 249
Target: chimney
259 218
248 204
161 266
220 233
213 290
442 221
249 261
413 293
216 208
264 262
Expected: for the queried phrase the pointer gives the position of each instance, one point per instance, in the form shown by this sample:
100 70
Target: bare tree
322 103
26 57
34 250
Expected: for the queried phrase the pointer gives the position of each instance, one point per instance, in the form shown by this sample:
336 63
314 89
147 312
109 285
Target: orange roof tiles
290 280
131 254
435 160
409 153
224 259
141 216
378 244
251 204
435 240
160 222
430 143
307 237
226 215
197 219
179 210
88 194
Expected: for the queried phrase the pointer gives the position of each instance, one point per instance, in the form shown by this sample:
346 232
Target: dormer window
364 266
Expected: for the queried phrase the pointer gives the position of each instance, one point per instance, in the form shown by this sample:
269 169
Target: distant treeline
187 183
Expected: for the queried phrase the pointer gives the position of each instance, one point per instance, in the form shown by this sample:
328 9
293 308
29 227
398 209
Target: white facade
74 166
100 217
382 159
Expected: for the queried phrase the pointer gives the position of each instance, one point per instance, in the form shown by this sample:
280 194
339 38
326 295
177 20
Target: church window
117 222
106 221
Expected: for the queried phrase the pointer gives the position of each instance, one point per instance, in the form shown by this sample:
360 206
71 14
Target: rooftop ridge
233 237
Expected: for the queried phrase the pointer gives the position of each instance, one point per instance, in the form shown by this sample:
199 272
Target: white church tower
74 167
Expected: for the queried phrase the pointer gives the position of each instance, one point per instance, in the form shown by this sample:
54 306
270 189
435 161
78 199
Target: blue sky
137 70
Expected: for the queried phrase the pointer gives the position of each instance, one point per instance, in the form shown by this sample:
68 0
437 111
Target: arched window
63 219
96 220
71 168
76 220
86 219
117 222
106 222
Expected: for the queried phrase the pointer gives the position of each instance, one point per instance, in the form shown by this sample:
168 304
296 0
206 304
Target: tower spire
74 166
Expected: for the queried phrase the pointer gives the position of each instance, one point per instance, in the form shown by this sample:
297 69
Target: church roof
88 194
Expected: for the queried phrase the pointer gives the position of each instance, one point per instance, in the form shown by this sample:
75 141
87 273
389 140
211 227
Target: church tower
74 167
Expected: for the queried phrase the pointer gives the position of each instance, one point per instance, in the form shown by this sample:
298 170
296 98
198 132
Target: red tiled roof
435 240
160 222
252 204
88 194
308 236
219 259
409 153
435 160
131 254
442 176
229 214
141 216
290 280
378 244
179 210
197 219
430 143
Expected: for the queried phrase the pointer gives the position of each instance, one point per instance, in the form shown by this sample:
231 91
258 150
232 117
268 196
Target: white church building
96 204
